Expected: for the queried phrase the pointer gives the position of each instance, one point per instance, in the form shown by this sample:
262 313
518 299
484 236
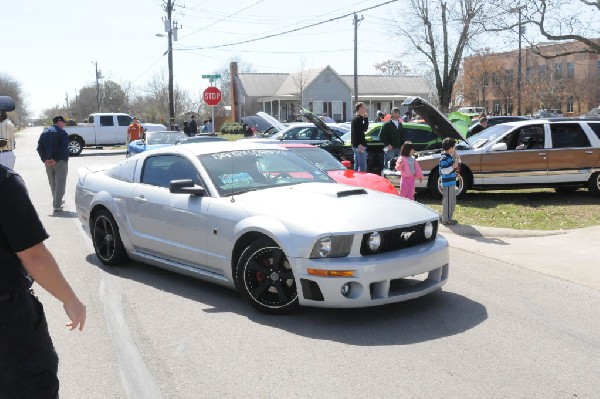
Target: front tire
107 239
265 279
434 184
594 184
75 146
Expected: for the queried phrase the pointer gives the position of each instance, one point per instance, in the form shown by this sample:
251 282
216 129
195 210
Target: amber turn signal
331 273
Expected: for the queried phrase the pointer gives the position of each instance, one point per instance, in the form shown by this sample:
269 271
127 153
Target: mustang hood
335 208
434 118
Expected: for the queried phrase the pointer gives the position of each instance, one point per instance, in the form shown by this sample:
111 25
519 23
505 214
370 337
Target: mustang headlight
332 247
429 230
374 241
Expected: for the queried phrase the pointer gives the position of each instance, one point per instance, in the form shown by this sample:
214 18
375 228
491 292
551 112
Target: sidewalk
572 255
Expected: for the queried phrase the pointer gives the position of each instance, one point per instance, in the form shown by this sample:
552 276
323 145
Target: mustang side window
160 170
568 135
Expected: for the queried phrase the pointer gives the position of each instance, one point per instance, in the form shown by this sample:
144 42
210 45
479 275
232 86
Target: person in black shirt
358 127
53 148
392 137
480 127
28 361
193 125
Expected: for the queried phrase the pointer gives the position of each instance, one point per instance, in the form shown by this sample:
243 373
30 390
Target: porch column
279 110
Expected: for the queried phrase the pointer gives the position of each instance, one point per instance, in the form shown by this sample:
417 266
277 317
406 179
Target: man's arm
383 136
40 264
40 148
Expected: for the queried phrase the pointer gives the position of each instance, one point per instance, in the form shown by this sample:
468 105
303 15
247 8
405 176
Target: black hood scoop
349 193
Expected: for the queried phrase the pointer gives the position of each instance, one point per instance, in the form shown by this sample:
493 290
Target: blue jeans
388 156
360 160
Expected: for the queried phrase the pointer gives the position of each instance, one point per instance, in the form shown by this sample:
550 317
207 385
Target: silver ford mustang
264 221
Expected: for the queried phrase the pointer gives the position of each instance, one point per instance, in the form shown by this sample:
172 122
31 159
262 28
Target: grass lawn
537 209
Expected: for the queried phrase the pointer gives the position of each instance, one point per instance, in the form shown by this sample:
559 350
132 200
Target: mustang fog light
428 230
345 289
374 241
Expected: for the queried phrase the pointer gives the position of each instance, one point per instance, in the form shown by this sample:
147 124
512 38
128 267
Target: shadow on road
431 317
97 152
472 233
64 215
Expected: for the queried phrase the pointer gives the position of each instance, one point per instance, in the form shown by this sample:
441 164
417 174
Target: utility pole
98 77
355 21
520 65
171 29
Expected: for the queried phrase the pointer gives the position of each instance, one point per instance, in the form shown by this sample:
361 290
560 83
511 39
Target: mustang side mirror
499 147
186 186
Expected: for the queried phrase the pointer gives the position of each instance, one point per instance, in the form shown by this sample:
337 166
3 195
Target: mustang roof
213 147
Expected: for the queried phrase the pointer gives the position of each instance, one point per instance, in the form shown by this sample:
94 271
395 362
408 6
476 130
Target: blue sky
50 46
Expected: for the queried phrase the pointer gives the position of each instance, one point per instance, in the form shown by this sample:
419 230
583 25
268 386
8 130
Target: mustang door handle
542 154
140 199
589 152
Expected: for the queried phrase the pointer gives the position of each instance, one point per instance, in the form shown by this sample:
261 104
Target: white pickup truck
103 129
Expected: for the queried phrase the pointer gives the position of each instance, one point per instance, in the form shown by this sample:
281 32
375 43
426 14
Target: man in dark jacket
193 125
392 137
53 148
481 126
359 126
28 361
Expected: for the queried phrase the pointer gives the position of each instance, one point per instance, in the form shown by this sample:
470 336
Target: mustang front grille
395 239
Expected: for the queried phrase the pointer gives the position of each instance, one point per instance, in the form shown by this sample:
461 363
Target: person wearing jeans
358 128
53 148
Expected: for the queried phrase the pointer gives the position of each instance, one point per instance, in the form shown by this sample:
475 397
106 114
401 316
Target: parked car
559 153
154 140
340 172
472 111
102 129
263 124
199 139
301 133
265 221
496 120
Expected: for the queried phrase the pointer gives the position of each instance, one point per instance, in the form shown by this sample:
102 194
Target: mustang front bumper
379 279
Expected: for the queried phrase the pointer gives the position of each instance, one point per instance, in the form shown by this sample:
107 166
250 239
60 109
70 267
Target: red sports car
340 173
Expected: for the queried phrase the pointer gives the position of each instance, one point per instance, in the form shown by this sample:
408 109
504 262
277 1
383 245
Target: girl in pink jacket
409 170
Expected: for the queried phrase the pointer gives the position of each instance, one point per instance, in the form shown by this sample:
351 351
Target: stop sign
212 95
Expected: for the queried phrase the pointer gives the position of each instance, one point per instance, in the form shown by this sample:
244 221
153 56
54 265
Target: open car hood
271 121
320 124
439 124
7 103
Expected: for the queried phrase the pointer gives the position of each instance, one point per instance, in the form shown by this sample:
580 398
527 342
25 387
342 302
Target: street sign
211 77
212 96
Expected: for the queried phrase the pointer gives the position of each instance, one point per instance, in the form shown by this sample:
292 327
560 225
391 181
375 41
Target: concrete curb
482 231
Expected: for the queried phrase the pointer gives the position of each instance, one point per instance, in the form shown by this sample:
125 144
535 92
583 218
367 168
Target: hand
75 310
50 162
361 148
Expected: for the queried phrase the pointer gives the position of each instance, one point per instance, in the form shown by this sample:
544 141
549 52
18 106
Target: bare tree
393 68
441 30
11 87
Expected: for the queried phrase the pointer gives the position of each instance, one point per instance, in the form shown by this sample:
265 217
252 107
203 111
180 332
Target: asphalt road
496 330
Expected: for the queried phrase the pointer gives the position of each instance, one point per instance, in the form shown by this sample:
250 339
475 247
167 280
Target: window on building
598 67
318 107
570 104
543 69
508 77
496 106
570 70
485 79
496 79
558 71
509 106
529 72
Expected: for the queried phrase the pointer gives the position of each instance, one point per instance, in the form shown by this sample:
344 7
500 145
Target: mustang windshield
488 135
163 137
236 172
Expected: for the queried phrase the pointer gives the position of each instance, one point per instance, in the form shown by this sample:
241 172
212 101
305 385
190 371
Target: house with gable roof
321 90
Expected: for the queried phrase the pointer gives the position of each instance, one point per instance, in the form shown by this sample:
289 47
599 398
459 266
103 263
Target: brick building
569 83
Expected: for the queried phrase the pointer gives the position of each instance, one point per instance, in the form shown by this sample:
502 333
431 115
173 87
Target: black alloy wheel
107 240
264 277
594 184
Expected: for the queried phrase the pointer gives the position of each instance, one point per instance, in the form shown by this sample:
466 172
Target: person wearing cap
7 141
392 137
380 116
193 126
135 131
53 148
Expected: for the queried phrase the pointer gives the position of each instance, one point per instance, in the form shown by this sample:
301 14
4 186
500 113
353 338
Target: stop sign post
212 96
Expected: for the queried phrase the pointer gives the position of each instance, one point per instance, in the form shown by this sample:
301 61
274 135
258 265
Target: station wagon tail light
332 247
331 273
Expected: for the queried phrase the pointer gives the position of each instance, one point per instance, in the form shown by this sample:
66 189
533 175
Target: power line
150 67
288 31
223 19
